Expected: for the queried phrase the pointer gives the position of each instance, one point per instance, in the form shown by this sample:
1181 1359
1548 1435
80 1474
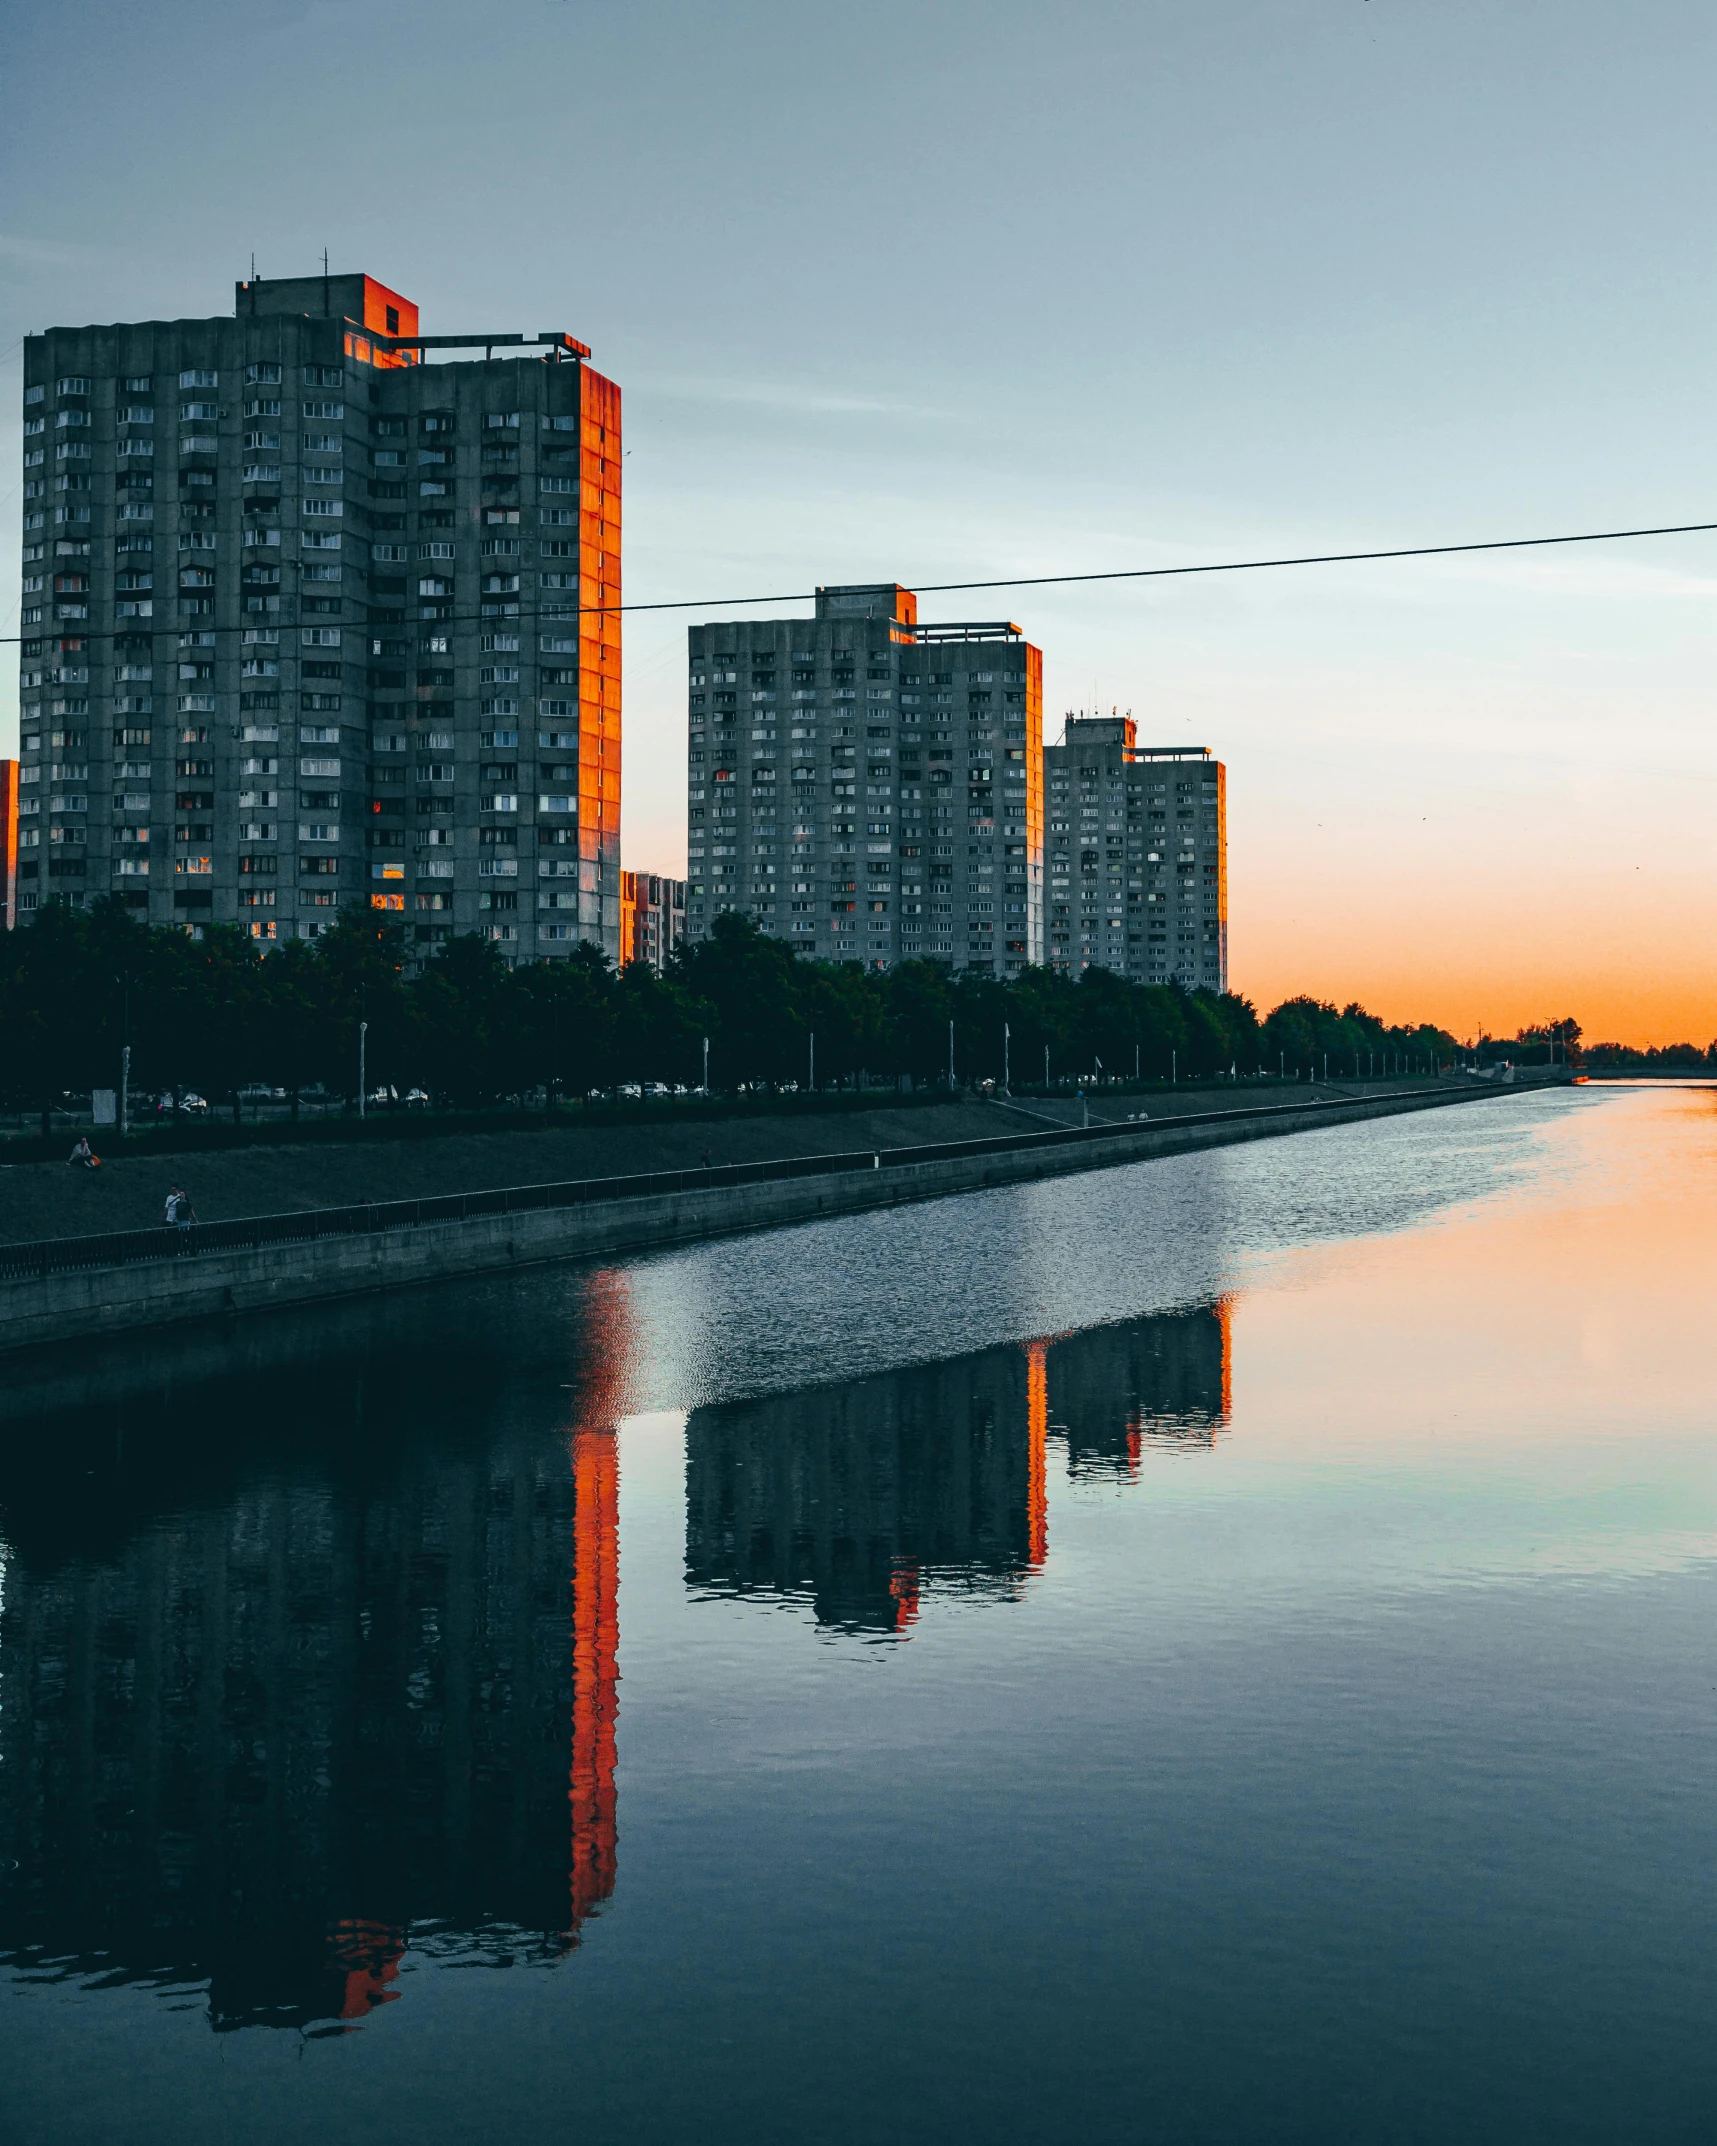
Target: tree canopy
215 1014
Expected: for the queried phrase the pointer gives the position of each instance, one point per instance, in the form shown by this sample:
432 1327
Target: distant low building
652 917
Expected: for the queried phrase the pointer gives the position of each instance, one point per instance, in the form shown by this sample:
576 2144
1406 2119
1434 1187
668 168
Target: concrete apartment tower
312 624
1137 856
867 787
652 917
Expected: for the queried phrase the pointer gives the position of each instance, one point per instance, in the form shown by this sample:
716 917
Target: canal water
1216 1650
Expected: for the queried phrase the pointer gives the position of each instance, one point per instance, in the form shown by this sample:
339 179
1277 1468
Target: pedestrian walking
178 1212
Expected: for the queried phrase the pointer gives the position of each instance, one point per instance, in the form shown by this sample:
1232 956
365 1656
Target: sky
954 291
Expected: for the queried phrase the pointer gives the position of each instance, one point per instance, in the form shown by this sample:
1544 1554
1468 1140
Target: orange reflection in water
595 1667
1037 1439
1580 1295
598 1403
369 1953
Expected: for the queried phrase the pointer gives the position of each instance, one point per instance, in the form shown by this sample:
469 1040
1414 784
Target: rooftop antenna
325 304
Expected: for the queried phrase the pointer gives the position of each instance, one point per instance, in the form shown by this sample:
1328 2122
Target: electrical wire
1014 581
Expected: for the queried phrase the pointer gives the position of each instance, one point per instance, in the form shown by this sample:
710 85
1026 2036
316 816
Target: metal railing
123 1248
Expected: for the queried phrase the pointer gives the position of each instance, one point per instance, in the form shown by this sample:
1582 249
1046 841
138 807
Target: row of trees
211 1014
1655 1058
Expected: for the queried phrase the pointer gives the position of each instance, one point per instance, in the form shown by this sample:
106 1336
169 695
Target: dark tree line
213 1015
1654 1058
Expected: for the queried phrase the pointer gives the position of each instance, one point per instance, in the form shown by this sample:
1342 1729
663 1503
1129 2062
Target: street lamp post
363 1083
1006 1058
706 1065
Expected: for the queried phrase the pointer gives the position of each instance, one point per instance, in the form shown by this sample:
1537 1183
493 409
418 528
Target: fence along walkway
124 1248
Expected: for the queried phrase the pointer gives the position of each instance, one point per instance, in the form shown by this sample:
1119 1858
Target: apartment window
195 378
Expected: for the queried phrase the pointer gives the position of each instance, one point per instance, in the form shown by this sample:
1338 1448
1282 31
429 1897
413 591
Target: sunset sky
939 292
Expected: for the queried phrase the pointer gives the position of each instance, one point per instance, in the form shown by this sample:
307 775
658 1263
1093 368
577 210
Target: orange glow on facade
599 631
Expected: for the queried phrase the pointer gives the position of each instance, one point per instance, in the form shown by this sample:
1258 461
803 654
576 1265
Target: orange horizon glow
1479 949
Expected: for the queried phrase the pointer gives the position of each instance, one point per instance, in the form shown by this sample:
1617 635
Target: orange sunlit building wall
599 645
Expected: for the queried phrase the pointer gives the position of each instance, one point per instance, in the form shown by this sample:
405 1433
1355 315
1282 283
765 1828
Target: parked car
188 1103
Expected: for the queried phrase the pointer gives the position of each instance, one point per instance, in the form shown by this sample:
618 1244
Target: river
1215 1650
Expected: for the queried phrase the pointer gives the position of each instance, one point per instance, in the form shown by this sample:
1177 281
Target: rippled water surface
1216 1650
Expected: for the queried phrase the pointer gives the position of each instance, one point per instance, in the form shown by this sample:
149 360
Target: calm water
1217 1650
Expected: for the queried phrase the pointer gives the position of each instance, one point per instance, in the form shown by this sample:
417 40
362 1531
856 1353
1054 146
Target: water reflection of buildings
861 1498
362 1698
1117 1391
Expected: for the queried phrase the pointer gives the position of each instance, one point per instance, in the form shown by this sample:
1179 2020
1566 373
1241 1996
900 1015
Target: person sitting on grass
83 1156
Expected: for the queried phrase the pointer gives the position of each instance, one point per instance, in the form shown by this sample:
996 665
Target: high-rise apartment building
866 787
313 623
652 917
1137 856
8 844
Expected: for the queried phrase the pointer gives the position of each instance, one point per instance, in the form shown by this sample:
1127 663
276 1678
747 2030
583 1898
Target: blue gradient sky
944 291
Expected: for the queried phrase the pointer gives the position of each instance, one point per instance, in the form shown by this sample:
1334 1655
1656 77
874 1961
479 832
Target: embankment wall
90 1301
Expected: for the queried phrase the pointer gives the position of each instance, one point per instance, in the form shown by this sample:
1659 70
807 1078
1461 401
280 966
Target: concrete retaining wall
90 1302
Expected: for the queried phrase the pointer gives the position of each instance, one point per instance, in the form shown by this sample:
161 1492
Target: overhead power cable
1220 566
1012 581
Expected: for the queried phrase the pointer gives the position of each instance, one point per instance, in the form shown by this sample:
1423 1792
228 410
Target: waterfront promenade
77 1288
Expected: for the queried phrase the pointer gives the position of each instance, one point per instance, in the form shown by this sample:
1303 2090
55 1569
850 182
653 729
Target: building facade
8 844
652 917
313 624
1137 856
866 787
